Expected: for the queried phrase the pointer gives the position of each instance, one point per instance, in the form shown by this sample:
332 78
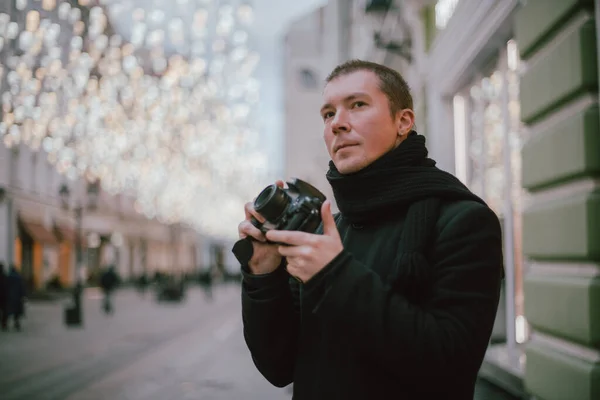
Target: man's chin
346 167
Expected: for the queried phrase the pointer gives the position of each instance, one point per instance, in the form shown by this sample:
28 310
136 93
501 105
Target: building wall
305 68
561 167
31 186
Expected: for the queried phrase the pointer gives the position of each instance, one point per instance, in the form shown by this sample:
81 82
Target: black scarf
401 181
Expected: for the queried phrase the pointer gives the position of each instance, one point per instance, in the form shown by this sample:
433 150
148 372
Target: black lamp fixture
399 48
402 49
93 194
372 6
65 194
308 78
73 314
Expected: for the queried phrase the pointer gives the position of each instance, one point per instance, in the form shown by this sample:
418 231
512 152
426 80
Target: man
15 298
3 296
108 282
397 295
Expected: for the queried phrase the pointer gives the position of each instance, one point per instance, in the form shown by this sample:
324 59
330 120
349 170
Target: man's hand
265 258
308 253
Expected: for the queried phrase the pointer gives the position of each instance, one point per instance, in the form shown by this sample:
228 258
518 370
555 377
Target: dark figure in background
15 299
3 296
108 283
395 296
206 280
142 283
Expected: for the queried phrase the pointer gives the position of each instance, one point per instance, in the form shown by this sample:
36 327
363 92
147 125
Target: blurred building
308 55
506 93
39 227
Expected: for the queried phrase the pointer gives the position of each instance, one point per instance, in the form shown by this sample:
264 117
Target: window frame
464 129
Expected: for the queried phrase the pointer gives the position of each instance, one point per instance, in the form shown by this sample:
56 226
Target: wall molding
566 30
471 29
565 347
560 192
564 269
581 103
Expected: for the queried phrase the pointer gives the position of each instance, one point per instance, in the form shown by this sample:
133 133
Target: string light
163 111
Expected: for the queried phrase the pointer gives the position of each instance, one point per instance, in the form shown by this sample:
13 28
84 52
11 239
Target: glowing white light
177 131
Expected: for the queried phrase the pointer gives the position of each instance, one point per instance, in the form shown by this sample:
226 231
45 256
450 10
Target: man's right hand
265 258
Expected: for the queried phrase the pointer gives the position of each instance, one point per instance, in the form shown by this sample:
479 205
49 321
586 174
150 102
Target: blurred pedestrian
142 283
395 296
108 283
15 299
206 280
3 298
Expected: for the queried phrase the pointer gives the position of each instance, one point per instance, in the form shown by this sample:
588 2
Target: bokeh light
165 112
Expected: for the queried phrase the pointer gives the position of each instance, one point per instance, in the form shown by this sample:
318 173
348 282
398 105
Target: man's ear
405 121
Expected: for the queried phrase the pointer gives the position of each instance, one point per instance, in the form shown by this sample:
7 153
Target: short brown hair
391 83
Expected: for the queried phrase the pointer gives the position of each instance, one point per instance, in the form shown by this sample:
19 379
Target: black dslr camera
297 208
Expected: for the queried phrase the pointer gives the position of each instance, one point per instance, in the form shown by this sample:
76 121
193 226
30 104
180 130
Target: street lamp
10 231
73 315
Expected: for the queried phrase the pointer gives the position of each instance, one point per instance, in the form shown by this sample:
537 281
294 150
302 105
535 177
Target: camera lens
271 202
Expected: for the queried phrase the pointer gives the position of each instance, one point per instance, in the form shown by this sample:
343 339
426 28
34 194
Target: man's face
358 126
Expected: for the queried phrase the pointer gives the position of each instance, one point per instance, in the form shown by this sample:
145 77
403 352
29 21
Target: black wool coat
349 334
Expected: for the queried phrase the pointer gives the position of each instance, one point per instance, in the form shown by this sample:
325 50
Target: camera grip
243 250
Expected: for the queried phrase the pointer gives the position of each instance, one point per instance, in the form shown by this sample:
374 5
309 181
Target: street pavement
144 351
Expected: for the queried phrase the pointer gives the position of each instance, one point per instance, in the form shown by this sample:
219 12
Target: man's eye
327 115
358 104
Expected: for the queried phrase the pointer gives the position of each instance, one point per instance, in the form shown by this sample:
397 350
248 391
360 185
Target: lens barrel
272 202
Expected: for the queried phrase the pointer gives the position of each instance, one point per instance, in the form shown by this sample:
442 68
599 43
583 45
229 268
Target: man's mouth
343 146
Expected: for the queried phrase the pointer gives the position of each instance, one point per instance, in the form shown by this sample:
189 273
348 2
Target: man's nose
340 123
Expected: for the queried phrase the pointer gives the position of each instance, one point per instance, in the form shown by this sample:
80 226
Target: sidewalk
45 341
145 351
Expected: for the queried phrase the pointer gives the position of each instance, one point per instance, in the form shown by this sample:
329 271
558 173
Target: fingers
292 238
251 212
291 252
245 229
294 273
294 267
280 183
329 227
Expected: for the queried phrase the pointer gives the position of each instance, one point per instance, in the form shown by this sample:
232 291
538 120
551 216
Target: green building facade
512 88
561 169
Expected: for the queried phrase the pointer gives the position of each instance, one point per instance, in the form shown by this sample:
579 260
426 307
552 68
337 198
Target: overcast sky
272 17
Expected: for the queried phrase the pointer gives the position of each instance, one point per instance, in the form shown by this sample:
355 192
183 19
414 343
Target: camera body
297 208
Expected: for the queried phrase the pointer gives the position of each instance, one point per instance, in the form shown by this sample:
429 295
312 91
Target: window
488 140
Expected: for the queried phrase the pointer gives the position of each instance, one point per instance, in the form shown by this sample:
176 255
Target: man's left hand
308 253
